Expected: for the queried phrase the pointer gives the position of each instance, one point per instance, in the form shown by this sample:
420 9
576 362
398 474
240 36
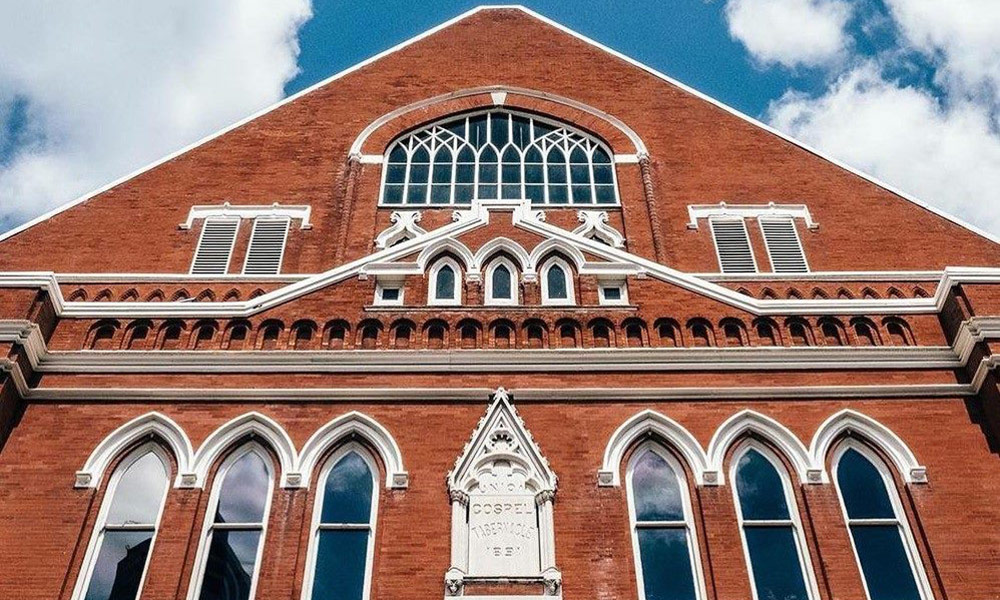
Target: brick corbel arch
372 142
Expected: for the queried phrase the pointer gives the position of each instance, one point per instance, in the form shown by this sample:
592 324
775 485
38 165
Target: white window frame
767 242
570 299
209 526
97 536
320 485
432 275
253 234
688 523
232 244
715 242
901 521
620 284
380 288
515 297
794 520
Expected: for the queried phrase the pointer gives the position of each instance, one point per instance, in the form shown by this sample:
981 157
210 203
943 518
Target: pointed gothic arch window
445 283
883 544
233 539
772 534
663 534
342 535
557 282
501 282
498 154
116 561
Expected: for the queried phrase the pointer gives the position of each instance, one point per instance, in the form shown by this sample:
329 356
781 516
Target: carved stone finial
553 582
454 582
501 394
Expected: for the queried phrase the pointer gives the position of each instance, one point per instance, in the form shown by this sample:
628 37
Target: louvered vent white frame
267 246
215 246
732 245
784 248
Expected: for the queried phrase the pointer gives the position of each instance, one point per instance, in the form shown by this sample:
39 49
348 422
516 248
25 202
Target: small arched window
501 283
444 287
766 335
115 564
883 545
343 528
898 332
865 332
233 539
832 333
772 534
498 154
798 332
557 287
663 534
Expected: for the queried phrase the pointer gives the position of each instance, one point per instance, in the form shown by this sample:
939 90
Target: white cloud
111 85
963 34
790 32
946 155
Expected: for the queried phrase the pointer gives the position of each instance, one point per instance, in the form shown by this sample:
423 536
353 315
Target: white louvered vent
783 245
215 247
267 246
732 245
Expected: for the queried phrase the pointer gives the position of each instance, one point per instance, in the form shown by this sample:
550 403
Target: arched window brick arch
354 426
257 426
850 423
498 153
153 424
640 427
747 423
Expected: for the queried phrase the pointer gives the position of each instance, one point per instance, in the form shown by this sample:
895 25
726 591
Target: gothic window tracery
498 154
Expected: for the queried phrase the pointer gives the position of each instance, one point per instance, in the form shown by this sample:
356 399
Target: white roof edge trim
870 178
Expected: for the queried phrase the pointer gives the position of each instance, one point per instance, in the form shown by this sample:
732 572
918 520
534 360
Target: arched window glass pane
500 154
347 496
234 537
243 496
657 491
661 530
876 530
762 495
501 283
776 566
556 281
863 488
444 286
344 532
128 530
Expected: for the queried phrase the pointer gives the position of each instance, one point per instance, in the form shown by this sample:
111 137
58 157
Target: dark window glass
520 131
501 283
341 556
345 531
117 572
777 572
395 173
612 293
863 488
499 123
445 283
230 567
390 294
761 491
139 493
884 562
666 564
347 496
556 280
656 490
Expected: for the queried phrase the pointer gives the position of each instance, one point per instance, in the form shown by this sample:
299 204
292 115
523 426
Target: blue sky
904 89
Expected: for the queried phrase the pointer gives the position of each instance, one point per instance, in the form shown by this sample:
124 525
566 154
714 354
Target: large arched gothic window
116 561
663 535
498 154
343 529
772 534
229 558
883 544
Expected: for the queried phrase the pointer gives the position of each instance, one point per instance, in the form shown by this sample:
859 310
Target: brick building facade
499 313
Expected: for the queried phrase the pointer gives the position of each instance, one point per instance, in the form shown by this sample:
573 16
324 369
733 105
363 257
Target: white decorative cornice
724 209
296 212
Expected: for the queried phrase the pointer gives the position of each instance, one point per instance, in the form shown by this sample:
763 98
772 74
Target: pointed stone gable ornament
501 492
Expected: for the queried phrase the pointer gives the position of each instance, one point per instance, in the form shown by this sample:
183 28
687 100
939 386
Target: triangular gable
728 109
501 436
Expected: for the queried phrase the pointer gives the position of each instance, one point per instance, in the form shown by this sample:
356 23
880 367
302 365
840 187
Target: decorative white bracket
404 227
595 225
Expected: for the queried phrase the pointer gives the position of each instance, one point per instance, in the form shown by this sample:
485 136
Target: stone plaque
503 535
